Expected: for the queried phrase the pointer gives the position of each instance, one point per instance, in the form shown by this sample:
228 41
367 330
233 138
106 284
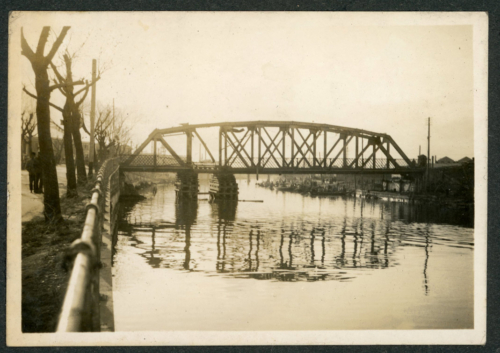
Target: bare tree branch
57 43
58 75
25 48
57 126
35 97
83 97
42 41
85 128
62 85
87 86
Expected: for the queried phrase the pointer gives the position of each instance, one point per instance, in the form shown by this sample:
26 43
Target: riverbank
44 279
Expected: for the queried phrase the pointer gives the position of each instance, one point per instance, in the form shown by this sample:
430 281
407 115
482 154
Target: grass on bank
44 280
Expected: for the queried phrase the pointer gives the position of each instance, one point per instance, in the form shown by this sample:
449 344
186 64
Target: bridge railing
80 310
271 162
151 160
274 162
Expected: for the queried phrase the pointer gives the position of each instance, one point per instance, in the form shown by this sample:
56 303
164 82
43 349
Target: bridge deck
165 164
274 170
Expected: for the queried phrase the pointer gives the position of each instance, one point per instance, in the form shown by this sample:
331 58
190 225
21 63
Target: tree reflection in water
186 212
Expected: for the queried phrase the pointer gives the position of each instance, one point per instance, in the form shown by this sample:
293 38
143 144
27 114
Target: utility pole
428 150
113 115
92 119
113 132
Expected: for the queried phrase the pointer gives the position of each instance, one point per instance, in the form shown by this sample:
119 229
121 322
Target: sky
163 69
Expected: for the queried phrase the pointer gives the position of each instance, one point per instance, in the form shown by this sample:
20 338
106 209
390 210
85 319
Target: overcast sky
170 68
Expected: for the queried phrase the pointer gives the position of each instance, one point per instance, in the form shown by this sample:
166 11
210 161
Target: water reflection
427 244
185 216
339 241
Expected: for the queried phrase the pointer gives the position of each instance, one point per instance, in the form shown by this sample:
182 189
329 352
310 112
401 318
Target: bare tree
112 132
28 126
71 111
103 132
121 132
40 63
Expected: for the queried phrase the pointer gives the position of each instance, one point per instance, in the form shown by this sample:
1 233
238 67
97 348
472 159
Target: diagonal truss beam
275 145
376 147
299 148
398 149
355 161
310 146
333 147
140 148
387 154
268 147
170 150
243 144
204 145
240 146
235 149
341 151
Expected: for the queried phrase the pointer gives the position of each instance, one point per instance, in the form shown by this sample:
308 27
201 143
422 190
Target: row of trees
110 130
112 133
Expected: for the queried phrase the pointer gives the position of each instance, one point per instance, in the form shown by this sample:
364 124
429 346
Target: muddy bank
44 279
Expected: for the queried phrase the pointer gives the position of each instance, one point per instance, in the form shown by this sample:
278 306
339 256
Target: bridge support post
189 147
154 154
388 148
357 152
223 186
220 146
186 186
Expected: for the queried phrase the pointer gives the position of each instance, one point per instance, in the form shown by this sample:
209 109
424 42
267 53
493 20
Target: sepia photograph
241 178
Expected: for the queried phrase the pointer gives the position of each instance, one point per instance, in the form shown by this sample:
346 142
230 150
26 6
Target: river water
293 262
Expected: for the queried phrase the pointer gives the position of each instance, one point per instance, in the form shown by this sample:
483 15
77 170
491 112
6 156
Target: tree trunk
71 190
30 139
80 157
52 206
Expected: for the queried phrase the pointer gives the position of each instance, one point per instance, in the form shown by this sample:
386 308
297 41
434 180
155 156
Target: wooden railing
80 310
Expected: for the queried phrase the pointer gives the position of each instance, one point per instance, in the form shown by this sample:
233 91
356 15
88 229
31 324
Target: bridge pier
186 186
223 186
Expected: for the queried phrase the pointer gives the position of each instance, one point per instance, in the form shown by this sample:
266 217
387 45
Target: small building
445 160
464 160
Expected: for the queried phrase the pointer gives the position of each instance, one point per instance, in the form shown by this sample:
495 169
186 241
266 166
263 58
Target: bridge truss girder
261 146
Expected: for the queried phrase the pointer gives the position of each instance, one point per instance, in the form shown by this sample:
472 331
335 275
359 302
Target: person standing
30 167
38 175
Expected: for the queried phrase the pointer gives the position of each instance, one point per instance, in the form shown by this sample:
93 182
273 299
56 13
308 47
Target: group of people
34 168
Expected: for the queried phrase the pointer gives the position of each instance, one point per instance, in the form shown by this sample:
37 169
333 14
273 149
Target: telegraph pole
92 119
428 150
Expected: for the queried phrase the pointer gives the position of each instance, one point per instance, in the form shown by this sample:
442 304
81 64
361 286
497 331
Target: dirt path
32 204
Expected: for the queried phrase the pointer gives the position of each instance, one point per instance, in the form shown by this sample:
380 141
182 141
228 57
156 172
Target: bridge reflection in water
335 248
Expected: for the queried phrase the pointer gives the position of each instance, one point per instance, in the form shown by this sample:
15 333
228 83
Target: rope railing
80 310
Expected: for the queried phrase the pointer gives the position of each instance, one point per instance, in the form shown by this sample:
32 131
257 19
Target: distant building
464 160
445 160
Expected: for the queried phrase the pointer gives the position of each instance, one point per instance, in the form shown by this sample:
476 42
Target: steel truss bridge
272 147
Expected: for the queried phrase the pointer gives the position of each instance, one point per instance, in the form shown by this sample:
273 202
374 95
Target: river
292 262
